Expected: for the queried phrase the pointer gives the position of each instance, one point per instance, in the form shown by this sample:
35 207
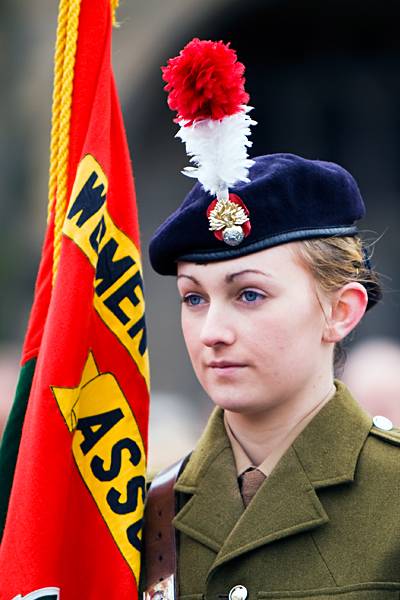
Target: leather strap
159 535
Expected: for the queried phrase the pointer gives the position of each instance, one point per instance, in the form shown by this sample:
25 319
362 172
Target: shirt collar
243 461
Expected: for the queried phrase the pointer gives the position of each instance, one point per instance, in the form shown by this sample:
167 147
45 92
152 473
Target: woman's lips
224 367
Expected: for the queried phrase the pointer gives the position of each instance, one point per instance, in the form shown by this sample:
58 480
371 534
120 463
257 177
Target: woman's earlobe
348 307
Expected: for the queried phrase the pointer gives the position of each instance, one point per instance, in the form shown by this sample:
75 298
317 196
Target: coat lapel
285 504
210 479
324 454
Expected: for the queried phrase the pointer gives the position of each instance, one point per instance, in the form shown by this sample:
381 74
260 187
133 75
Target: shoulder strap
391 436
159 545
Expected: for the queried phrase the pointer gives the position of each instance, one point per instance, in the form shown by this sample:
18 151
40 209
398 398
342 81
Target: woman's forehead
272 262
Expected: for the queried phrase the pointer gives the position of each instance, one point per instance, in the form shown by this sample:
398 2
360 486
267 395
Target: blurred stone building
324 78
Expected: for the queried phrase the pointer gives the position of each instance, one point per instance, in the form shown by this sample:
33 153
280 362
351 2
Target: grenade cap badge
229 219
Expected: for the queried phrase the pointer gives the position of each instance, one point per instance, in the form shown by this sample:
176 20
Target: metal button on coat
382 423
239 592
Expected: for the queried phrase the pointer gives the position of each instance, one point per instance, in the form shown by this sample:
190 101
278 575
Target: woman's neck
261 434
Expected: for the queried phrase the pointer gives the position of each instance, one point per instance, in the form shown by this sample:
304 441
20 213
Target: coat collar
324 454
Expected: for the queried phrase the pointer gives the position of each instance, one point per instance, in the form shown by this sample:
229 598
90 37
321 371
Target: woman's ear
347 308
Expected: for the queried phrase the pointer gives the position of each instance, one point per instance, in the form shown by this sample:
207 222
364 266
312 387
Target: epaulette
392 436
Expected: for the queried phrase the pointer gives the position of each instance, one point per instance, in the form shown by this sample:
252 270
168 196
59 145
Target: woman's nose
218 327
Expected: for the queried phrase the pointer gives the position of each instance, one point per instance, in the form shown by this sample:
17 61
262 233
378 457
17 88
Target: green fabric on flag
11 437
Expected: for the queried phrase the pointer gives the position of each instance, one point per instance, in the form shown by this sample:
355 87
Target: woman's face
253 327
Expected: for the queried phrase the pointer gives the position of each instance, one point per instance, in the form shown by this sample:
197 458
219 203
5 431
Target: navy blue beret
287 198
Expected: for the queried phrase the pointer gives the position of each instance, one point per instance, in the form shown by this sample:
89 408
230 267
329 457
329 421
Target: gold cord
64 65
114 6
67 36
55 122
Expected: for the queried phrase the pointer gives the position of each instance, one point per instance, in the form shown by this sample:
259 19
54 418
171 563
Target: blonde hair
335 261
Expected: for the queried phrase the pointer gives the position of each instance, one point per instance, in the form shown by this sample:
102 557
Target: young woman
292 491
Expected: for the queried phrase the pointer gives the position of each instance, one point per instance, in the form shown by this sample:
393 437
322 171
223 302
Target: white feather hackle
218 150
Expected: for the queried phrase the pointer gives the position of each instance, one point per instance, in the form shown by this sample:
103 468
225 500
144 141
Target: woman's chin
244 401
239 404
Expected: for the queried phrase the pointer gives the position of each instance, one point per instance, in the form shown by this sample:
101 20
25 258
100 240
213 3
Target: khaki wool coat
325 524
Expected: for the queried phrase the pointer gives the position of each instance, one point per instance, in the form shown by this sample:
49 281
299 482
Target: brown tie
250 481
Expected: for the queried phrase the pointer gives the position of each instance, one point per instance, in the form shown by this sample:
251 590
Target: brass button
239 592
382 423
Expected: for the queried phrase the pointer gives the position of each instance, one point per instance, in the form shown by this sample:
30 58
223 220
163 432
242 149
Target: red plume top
205 81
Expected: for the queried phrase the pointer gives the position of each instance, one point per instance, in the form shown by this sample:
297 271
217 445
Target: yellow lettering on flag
109 452
118 288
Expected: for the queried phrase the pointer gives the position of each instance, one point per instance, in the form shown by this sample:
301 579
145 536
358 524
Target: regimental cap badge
228 218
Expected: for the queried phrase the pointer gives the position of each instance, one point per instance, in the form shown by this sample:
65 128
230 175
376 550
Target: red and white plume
205 86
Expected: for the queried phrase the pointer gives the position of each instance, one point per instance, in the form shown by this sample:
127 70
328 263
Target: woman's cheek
193 345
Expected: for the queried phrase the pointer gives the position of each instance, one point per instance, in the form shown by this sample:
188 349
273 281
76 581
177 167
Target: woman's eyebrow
188 277
229 278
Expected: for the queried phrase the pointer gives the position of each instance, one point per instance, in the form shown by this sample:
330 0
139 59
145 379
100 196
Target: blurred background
324 78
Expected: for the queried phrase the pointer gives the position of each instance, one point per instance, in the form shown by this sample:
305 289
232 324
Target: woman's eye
193 300
251 296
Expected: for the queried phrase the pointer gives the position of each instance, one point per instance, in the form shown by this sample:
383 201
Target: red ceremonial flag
73 526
